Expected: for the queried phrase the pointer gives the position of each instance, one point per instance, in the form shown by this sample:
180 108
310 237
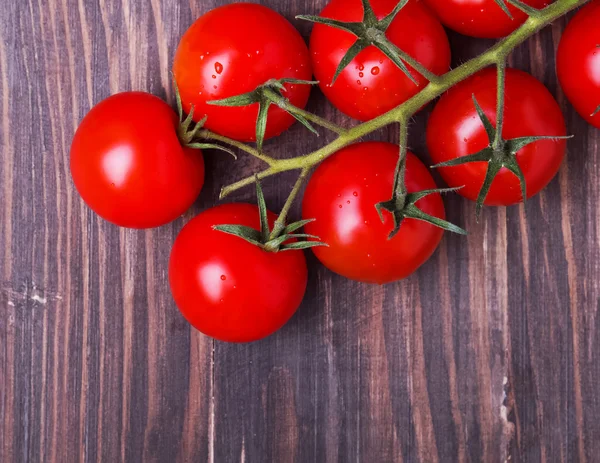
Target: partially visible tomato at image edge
230 51
128 164
228 288
341 196
455 130
578 62
372 84
482 19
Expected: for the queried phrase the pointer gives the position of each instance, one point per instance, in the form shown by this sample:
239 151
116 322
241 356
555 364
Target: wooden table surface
491 351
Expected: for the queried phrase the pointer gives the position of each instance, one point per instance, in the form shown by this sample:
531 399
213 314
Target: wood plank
489 352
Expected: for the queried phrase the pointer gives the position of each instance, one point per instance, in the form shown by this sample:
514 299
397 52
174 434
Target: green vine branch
370 31
495 56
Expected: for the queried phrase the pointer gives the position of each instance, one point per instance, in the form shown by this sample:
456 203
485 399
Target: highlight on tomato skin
482 19
230 51
372 84
229 289
128 163
578 62
454 130
341 196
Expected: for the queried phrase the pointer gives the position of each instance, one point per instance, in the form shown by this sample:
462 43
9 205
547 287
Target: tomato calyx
271 92
597 111
275 239
187 130
530 11
371 31
500 153
403 205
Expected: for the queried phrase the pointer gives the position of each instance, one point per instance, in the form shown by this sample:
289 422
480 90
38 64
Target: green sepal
410 210
245 99
504 156
210 146
247 233
262 212
185 134
298 245
271 92
263 239
369 31
596 112
503 7
387 21
355 28
297 225
528 10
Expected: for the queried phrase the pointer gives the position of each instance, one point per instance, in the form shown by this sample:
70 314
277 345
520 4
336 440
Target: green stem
207 134
495 55
318 120
501 66
400 175
430 76
279 225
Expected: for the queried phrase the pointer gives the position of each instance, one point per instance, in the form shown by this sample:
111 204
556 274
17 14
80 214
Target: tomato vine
495 56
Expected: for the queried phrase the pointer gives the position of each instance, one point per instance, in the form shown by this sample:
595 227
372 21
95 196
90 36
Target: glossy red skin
454 130
341 196
481 18
228 288
372 84
128 164
578 62
249 44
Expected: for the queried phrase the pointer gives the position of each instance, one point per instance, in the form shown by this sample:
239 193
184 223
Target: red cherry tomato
481 18
578 62
342 194
454 130
230 51
128 164
228 288
372 84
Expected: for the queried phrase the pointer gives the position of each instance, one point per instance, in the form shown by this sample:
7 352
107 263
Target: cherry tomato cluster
243 72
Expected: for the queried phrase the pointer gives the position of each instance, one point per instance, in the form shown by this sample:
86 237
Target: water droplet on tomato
355 193
359 82
223 277
375 70
340 206
218 68
348 202
214 77
361 68
215 87
361 74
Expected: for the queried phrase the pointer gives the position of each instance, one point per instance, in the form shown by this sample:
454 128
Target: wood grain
490 352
